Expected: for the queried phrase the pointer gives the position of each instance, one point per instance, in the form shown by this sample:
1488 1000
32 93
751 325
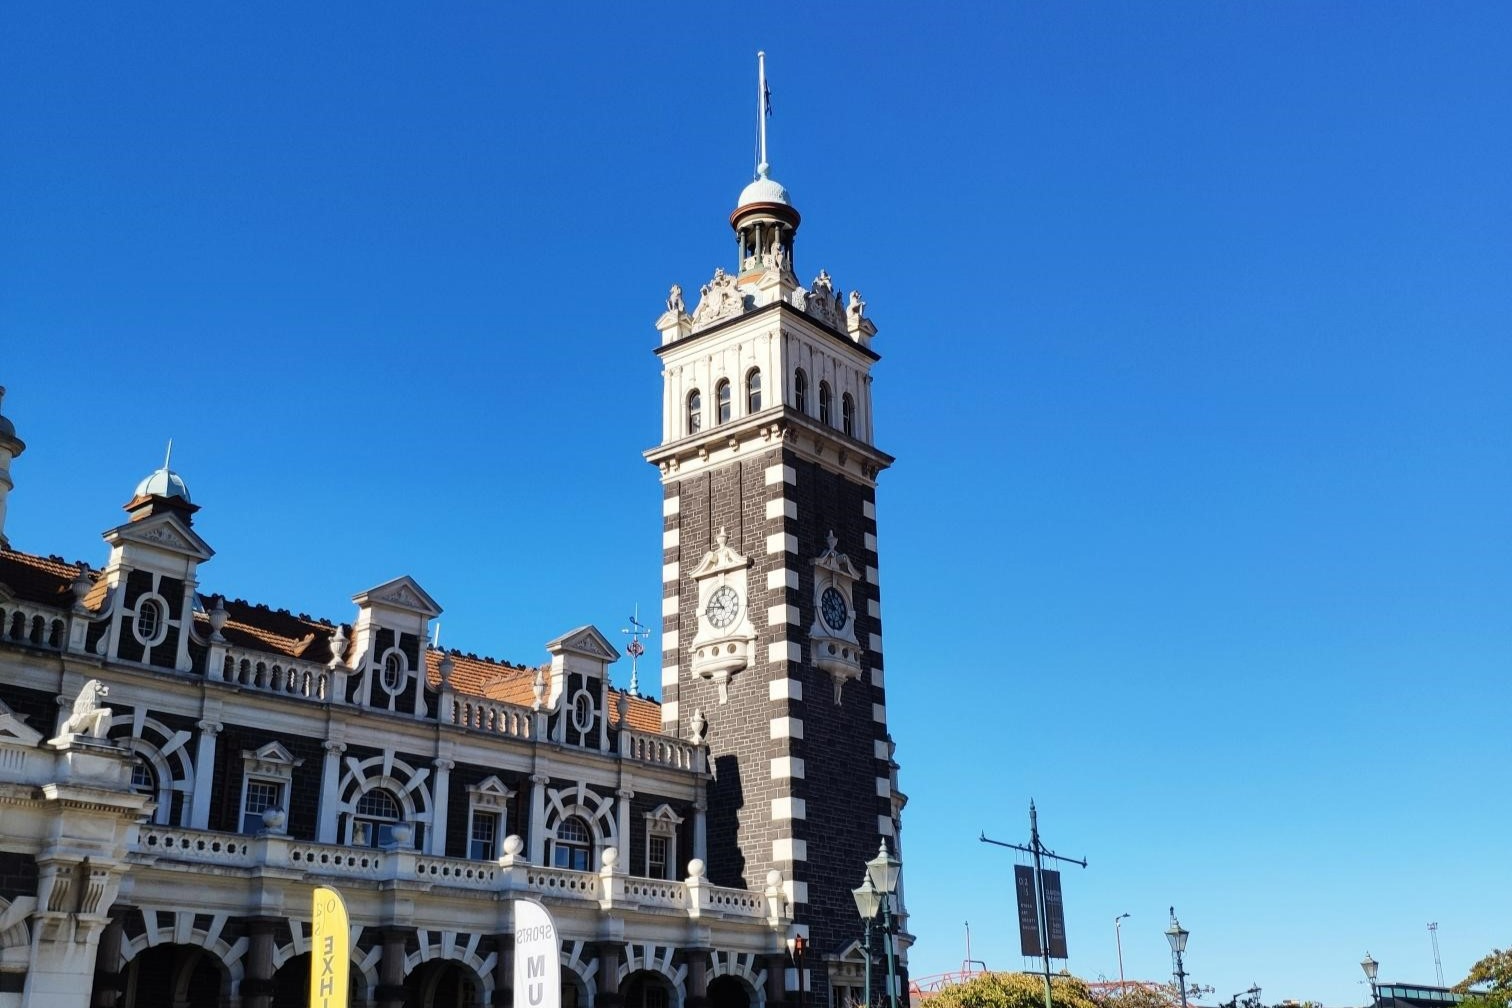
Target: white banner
537 969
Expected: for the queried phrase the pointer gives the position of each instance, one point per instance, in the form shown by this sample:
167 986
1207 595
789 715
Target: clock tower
772 631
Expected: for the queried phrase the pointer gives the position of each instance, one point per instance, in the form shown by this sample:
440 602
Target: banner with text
330 950
1029 940
1055 915
537 969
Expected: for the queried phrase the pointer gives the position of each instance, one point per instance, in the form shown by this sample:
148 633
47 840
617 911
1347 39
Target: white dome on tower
764 190
164 482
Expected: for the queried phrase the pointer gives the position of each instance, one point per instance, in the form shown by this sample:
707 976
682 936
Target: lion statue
88 717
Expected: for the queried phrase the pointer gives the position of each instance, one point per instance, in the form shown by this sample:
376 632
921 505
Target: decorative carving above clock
723 644
832 638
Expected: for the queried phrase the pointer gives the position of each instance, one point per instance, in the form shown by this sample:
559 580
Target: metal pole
866 951
1181 980
887 936
1039 898
1118 937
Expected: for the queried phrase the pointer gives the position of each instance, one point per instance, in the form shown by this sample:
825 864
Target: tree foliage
1492 973
1138 995
1015 990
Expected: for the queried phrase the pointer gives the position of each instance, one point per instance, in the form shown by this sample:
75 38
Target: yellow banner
330 951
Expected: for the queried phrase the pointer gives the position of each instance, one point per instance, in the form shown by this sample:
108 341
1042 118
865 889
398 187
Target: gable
401 593
585 640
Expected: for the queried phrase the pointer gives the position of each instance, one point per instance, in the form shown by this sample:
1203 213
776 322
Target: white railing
659 750
274 673
734 902
654 892
562 882
198 846
492 716
232 852
27 624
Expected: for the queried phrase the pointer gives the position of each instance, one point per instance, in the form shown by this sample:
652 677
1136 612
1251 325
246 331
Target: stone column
701 830
537 846
503 992
257 980
330 792
107 972
204 773
390 992
622 824
609 995
698 977
435 843
776 977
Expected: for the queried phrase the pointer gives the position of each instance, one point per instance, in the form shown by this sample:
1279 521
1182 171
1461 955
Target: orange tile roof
49 581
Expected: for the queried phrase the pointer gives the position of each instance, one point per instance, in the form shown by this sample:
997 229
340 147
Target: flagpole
761 164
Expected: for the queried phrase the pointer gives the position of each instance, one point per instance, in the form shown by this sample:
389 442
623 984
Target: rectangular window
485 834
656 857
261 796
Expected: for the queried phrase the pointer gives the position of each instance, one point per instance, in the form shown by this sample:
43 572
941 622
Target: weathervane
636 630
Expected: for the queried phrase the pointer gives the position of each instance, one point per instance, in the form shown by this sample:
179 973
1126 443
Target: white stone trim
879 713
876 677
785 689
871 576
784 651
781 542
885 825
869 510
797 892
779 473
879 749
670 605
789 808
787 768
670 639
884 787
782 615
672 505
669 712
782 507
669 572
789 849
786 727
869 541
873 608
672 536
783 577
874 641
669 676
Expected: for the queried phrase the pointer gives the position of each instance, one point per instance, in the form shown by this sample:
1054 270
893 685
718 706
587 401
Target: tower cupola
161 490
10 447
764 218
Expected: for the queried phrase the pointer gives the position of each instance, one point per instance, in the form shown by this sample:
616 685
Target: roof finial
168 455
763 109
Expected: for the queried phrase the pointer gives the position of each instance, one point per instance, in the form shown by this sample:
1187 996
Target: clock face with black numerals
832 605
723 607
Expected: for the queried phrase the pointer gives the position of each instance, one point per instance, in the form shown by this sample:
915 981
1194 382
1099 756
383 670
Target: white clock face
832 606
723 607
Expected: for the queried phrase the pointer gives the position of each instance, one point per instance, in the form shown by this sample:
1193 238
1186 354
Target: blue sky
1194 320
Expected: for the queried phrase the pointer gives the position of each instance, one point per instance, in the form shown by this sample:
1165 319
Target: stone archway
730 992
176 976
648 989
443 983
291 983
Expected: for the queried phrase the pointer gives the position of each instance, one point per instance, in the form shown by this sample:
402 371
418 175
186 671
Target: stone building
178 769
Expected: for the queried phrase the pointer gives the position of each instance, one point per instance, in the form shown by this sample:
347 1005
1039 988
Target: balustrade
493 717
256 670
658 750
26 624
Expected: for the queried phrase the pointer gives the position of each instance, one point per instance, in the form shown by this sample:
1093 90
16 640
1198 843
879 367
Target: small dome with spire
763 190
164 482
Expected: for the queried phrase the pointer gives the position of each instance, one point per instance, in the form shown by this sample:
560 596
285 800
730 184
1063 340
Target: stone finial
696 869
513 845
447 665
218 617
698 724
339 643
538 689
82 584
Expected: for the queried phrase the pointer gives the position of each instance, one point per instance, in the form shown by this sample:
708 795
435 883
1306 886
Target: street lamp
872 896
1177 936
1371 968
1118 937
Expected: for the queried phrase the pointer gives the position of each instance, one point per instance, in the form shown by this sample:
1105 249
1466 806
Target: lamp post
875 894
1118 937
1372 969
1177 936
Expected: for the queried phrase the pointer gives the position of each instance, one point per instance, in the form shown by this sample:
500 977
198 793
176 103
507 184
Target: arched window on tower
824 402
753 390
848 414
800 391
695 412
374 817
722 394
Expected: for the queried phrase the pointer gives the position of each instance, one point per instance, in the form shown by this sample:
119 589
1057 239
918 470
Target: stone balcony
609 888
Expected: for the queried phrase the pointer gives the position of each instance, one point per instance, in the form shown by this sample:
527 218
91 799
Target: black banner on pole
1029 939
1055 914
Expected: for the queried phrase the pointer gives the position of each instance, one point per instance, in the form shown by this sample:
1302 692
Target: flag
766 99
330 950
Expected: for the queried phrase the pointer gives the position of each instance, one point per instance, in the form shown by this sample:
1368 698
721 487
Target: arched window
695 412
824 402
848 414
143 780
374 818
722 393
800 391
394 671
573 846
753 391
150 626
